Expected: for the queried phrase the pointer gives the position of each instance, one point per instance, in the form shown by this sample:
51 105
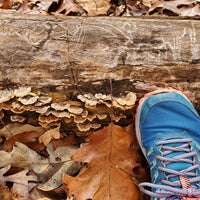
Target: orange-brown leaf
109 170
5 193
66 141
24 137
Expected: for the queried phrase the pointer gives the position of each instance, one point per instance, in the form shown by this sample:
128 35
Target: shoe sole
138 112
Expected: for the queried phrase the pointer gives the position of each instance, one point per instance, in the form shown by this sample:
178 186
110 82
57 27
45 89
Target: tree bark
64 57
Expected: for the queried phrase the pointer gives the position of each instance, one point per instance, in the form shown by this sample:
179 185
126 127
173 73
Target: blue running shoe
168 131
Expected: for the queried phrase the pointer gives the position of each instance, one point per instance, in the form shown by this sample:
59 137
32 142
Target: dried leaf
173 6
6 194
51 170
190 11
49 135
149 3
16 128
109 170
70 7
23 157
7 4
35 193
25 138
43 5
95 7
20 180
66 141
60 163
133 10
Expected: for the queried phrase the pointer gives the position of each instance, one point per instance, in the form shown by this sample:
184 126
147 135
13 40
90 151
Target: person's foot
168 131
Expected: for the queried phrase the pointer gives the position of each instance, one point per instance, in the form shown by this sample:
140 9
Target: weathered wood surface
77 55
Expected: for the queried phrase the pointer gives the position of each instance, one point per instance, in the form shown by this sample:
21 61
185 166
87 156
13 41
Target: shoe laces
182 187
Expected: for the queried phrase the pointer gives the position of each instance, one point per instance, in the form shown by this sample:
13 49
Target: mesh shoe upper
168 130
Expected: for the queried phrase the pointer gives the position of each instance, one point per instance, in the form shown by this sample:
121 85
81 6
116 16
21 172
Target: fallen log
94 65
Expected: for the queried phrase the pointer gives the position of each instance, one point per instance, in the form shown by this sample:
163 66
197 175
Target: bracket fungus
17 118
75 110
88 126
42 109
60 106
17 108
6 95
29 99
22 91
43 100
60 114
86 112
126 102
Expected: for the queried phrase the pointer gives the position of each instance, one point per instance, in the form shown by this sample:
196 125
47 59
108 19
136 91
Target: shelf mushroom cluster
86 112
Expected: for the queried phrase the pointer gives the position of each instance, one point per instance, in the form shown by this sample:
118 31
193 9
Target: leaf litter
104 163
189 8
26 167
108 173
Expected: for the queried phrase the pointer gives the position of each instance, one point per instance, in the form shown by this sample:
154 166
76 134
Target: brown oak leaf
50 169
60 163
5 193
108 174
28 138
69 6
179 7
20 181
49 135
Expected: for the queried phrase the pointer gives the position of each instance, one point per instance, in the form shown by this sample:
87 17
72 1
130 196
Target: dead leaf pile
64 7
108 173
21 181
33 160
188 8
37 163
